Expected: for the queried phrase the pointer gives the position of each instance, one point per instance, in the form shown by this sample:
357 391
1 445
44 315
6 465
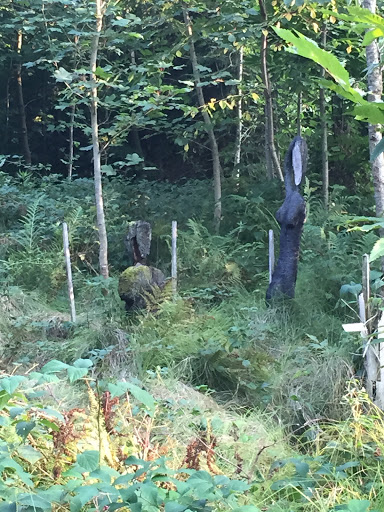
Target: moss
134 279
140 285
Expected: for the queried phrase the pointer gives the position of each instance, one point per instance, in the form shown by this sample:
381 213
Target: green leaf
379 148
358 505
62 75
83 363
23 428
76 373
10 384
7 462
35 501
54 366
140 394
378 250
8 508
89 460
246 508
310 50
4 399
29 453
370 112
16 411
174 506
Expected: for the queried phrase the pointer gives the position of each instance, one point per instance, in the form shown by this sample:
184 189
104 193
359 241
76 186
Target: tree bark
269 124
20 99
70 141
239 131
103 242
299 111
375 91
208 124
324 131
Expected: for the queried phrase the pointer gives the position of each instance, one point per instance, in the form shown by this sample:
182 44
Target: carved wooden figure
291 217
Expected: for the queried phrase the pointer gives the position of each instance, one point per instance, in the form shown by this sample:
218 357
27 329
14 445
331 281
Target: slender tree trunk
208 124
70 141
7 105
375 91
299 111
20 99
324 131
103 242
134 130
269 125
239 131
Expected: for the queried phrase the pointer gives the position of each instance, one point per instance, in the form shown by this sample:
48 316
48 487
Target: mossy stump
140 285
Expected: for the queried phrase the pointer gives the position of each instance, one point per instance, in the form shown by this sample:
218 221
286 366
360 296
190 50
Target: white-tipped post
174 258
67 256
271 254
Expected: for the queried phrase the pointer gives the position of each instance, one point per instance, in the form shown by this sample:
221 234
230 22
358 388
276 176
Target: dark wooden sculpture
291 217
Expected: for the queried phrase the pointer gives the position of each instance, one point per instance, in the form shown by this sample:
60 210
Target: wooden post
380 378
174 258
69 272
367 290
271 254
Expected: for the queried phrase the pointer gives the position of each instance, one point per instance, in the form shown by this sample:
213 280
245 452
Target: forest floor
238 389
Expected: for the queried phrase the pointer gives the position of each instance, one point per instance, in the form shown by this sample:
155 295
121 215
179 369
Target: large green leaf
10 384
29 453
76 373
35 501
23 428
89 460
54 366
310 50
378 250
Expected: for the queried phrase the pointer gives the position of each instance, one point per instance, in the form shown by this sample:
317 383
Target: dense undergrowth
210 402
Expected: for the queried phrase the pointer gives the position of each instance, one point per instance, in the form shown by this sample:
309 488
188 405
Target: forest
191 256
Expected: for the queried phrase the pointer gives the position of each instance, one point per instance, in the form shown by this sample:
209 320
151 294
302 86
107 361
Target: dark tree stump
291 217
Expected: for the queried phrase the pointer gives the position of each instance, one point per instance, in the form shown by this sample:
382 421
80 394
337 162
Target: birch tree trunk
269 125
239 131
20 99
324 131
103 242
299 111
208 124
70 141
375 91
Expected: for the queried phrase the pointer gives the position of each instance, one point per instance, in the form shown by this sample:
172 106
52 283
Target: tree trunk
103 242
20 99
208 124
239 131
70 142
269 125
375 91
299 111
324 131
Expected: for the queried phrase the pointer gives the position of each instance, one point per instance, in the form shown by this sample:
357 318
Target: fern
31 232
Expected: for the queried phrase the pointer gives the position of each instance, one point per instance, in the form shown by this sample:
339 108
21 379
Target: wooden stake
271 254
367 290
69 272
380 378
174 258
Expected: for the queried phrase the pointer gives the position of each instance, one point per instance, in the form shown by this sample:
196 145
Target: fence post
174 258
67 256
271 254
